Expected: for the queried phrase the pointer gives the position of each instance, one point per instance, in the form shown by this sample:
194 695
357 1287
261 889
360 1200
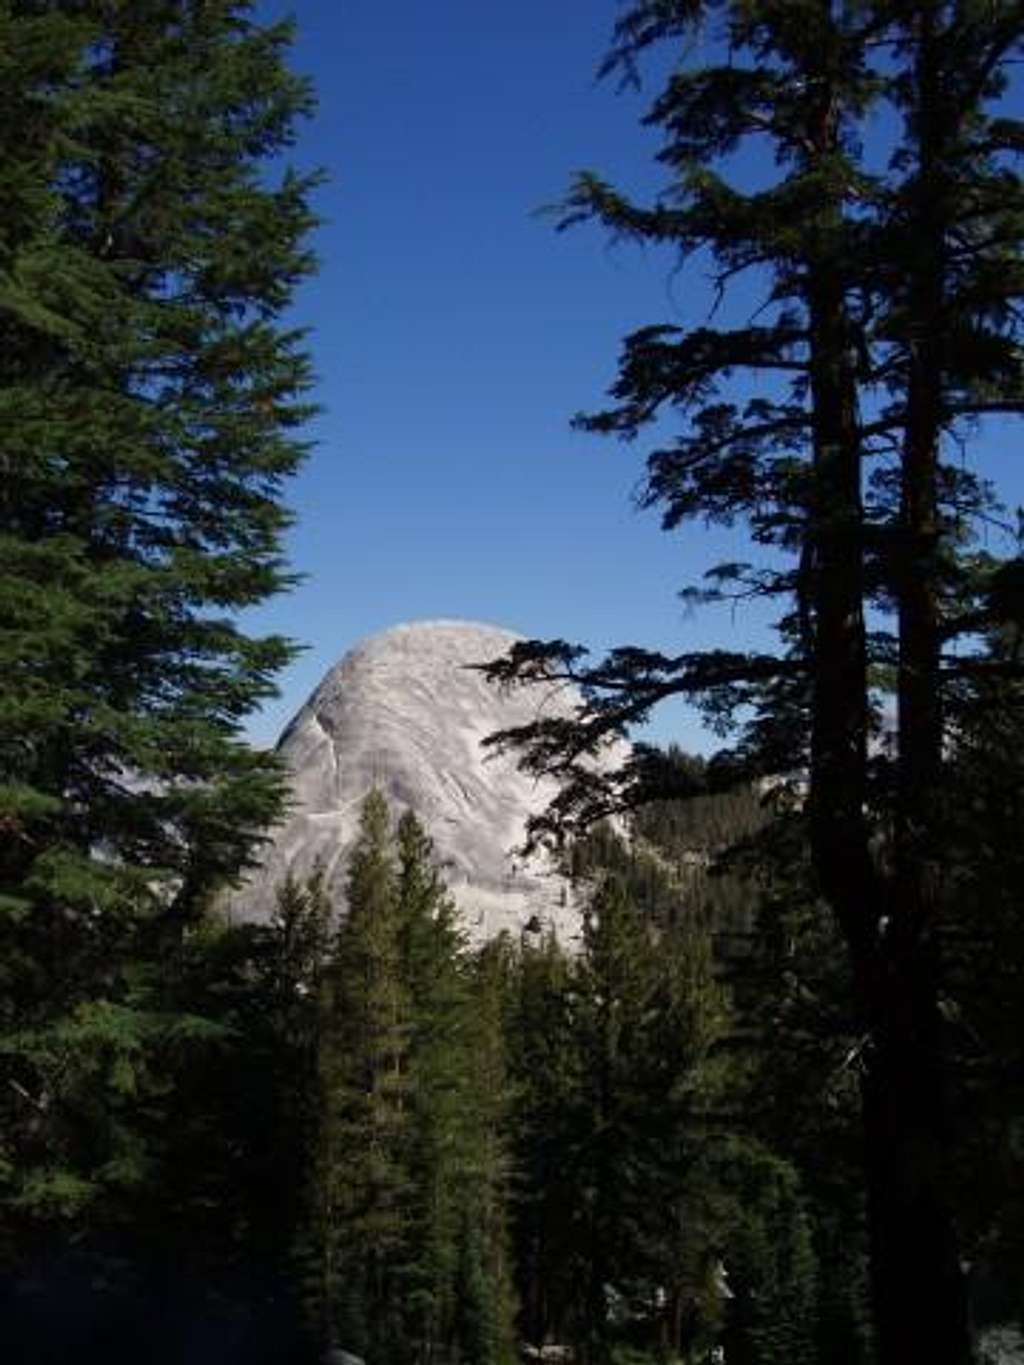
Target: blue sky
455 333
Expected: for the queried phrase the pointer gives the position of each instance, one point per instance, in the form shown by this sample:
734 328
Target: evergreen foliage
405 1242
343 1128
615 1078
363 1186
791 1060
982 998
888 323
150 399
763 1222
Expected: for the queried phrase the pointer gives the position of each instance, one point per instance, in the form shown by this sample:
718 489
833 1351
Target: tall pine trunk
832 586
896 282
918 1288
836 798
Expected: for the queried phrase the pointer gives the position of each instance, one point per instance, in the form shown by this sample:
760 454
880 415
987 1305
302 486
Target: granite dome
403 712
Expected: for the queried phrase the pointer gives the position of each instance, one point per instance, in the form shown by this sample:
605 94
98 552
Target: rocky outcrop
402 711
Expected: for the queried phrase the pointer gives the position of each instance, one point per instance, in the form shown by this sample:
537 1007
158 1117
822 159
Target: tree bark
833 572
918 1287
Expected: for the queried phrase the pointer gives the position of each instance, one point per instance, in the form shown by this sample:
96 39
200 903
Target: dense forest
768 1107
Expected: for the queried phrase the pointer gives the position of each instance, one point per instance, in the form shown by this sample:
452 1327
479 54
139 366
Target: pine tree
228 1211
888 323
612 1064
362 1185
948 338
544 1071
431 950
405 1249
484 1293
149 401
788 1068
458 1279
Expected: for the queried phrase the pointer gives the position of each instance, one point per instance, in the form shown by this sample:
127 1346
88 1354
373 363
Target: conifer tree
457 1283
361 1228
765 1232
484 1289
889 321
648 1017
544 1070
230 1204
430 950
149 401
443 1105
786 1089
612 1063
405 1246
799 1086
291 959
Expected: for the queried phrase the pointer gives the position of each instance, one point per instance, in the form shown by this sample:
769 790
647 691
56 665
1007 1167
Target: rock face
403 713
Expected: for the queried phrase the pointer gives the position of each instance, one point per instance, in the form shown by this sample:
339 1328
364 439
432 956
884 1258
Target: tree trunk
918 1286
840 845
832 583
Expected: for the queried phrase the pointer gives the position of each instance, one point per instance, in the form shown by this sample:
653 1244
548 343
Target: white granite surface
403 713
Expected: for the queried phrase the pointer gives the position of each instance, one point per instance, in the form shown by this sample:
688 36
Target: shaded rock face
403 713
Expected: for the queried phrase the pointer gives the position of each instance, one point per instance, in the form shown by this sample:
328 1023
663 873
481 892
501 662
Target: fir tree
405 1246
231 1202
484 1288
544 1070
612 1060
362 1184
769 1262
788 1066
441 1105
149 402
888 322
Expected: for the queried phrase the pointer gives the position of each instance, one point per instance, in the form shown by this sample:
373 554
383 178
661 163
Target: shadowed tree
888 321
150 398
